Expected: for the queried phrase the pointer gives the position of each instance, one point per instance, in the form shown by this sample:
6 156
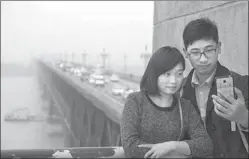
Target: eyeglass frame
204 53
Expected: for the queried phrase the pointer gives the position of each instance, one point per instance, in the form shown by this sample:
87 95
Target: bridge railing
91 117
74 152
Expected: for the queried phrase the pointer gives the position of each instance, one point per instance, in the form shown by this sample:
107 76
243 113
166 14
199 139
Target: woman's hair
163 60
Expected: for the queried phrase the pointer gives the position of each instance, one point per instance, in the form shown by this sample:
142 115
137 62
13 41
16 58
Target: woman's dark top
143 122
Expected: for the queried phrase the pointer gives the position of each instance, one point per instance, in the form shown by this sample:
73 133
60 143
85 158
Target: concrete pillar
170 18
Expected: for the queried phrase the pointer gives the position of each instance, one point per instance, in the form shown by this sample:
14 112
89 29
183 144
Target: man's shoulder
240 80
236 75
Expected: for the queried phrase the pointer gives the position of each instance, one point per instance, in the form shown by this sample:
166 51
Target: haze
32 28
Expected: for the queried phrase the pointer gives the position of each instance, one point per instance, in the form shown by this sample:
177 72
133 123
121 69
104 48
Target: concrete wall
170 18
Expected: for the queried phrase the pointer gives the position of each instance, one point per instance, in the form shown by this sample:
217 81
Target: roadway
107 89
111 105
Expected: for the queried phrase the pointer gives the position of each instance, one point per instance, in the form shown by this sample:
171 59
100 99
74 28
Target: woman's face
169 82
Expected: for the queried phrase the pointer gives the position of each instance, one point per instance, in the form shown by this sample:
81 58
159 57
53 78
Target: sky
53 27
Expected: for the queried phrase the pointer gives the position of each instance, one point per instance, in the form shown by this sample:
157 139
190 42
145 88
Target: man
202 48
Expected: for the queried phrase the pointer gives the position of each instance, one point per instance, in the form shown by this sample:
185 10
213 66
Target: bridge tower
73 55
104 57
145 56
84 58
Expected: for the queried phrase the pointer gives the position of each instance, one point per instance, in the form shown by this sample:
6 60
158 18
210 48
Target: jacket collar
195 81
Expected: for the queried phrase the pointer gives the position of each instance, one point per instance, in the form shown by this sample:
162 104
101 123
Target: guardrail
71 152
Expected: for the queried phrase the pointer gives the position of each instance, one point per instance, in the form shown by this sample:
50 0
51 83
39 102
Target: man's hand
232 109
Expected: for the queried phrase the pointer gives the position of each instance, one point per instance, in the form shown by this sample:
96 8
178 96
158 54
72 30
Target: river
23 91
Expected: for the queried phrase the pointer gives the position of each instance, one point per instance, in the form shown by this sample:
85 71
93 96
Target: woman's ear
185 53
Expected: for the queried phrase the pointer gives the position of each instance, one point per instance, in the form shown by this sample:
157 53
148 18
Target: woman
155 121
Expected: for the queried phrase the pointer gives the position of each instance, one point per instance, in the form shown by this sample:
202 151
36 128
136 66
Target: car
91 80
84 76
114 78
127 91
67 67
61 65
83 70
118 90
99 79
99 82
98 76
72 70
77 71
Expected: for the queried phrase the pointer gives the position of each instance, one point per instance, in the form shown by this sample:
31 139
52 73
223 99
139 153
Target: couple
157 122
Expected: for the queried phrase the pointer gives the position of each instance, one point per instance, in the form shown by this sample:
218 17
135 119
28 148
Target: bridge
91 115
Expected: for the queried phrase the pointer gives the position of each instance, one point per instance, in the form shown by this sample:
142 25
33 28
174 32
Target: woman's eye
167 73
180 73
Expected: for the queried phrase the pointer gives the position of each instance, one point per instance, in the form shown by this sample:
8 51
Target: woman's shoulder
134 101
138 95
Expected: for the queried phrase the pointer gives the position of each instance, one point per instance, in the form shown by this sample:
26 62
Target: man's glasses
197 54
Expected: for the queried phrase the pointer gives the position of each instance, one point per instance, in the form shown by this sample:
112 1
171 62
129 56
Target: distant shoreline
16 70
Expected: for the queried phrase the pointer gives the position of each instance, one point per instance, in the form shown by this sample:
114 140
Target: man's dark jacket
226 143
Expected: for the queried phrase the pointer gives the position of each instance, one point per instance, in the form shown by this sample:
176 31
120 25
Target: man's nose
203 58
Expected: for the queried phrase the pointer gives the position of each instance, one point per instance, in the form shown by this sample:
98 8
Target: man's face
205 63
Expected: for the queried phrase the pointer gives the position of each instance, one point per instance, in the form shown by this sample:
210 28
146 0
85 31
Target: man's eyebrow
197 49
194 49
209 46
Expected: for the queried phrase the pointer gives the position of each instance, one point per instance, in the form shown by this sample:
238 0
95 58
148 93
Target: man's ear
185 53
219 48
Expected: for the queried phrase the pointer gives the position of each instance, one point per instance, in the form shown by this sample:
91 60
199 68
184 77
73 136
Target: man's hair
198 29
163 60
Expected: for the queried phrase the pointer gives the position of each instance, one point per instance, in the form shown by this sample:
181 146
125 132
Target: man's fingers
221 101
218 112
220 107
238 92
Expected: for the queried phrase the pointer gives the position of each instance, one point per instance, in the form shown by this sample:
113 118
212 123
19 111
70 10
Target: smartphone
225 89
